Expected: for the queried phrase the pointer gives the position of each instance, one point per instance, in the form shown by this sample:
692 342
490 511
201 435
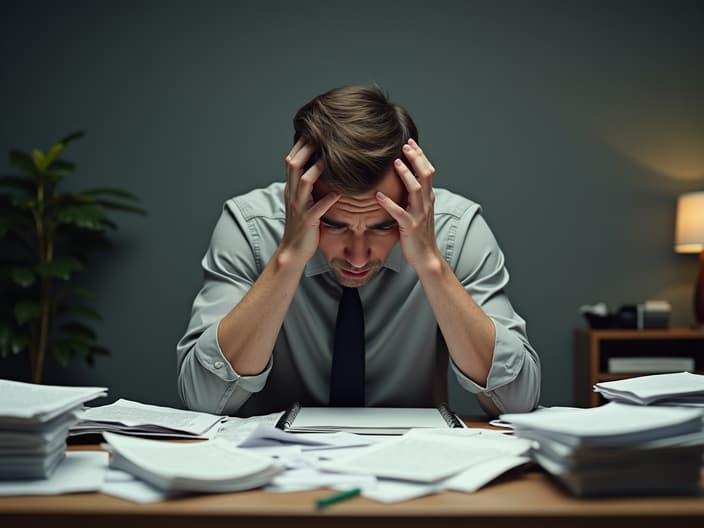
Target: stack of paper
617 449
209 466
682 388
128 417
34 424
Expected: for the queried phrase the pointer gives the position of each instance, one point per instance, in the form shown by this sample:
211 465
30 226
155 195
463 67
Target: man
356 251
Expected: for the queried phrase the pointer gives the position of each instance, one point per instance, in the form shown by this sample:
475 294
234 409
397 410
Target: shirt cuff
212 359
509 354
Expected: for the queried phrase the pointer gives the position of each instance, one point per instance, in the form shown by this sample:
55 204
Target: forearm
469 333
247 334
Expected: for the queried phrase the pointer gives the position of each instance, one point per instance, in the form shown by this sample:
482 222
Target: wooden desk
520 499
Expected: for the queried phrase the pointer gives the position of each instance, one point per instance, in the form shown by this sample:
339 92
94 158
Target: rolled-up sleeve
513 383
206 380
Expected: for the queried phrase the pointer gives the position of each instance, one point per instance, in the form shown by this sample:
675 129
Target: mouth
354 274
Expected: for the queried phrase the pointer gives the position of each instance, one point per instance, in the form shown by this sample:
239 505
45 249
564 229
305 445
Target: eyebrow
379 225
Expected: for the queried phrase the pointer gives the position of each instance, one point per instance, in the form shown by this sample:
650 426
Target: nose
357 251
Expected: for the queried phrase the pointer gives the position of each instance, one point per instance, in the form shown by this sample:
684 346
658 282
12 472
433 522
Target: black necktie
347 375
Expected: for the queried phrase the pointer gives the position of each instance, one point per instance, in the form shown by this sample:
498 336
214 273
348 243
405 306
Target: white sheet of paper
125 486
236 430
415 457
42 402
608 420
310 478
479 475
80 471
135 414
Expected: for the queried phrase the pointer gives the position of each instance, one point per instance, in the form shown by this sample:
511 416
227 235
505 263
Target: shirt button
217 364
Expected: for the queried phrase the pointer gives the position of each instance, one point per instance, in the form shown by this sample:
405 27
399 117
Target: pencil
337 497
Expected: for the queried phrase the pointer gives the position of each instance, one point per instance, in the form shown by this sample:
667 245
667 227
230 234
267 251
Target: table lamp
689 238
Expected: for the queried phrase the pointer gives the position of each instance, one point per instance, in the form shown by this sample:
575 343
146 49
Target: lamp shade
689 228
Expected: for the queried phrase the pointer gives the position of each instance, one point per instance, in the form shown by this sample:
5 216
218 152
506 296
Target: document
366 420
129 417
34 423
611 424
421 456
79 471
617 449
208 466
676 388
24 405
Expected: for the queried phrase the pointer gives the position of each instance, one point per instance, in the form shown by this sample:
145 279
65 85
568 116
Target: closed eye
384 226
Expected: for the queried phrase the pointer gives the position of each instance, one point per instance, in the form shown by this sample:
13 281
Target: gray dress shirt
406 356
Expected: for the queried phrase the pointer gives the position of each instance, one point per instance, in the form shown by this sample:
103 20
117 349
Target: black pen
337 497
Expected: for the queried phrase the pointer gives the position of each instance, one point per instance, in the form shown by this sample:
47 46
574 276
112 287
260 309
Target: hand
302 231
416 224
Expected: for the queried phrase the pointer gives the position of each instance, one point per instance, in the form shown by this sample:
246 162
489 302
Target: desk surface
519 499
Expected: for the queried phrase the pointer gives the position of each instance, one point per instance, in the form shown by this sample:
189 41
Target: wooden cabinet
594 348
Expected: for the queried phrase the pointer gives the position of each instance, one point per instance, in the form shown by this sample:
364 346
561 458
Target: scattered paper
80 471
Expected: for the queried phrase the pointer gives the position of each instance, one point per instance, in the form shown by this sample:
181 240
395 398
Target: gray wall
574 124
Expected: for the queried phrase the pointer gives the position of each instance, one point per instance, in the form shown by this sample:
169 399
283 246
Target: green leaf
79 330
80 292
113 192
23 162
85 311
109 204
23 202
84 216
73 136
23 276
53 153
62 351
26 311
60 267
60 169
99 350
39 160
93 351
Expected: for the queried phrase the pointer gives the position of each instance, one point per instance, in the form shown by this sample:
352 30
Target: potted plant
45 238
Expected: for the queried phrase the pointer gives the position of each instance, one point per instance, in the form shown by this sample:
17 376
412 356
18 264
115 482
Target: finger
397 212
412 185
308 179
295 148
321 206
423 169
295 164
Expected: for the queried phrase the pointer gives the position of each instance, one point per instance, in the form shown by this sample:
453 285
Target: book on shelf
625 365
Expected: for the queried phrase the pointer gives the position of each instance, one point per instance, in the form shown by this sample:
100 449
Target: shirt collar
318 264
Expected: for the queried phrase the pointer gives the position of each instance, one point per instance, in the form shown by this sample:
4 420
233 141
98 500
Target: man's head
357 133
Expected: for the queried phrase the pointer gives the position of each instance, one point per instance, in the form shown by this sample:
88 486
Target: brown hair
357 132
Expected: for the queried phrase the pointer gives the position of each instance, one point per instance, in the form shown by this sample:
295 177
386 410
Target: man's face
356 233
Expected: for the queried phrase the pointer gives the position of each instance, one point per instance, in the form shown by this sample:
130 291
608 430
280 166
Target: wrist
288 259
431 267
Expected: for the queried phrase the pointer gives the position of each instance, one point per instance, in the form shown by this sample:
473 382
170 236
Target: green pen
337 497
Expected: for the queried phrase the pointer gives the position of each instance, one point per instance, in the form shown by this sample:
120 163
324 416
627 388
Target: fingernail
407 148
380 195
398 162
